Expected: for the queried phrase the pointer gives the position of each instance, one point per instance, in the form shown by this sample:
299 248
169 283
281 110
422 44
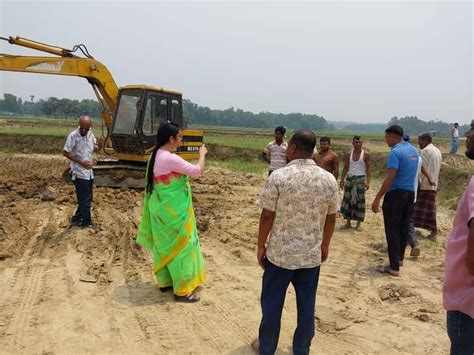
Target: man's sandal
191 298
386 270
255 346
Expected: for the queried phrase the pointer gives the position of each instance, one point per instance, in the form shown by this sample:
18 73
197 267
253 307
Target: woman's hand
203 150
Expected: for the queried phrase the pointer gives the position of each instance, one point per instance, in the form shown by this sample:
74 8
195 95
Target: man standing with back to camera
79 147
299 205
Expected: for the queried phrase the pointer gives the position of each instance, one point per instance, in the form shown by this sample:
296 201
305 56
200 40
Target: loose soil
71 290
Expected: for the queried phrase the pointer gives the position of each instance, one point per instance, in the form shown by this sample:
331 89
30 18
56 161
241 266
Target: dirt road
69 290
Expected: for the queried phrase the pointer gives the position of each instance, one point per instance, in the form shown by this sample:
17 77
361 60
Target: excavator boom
66 64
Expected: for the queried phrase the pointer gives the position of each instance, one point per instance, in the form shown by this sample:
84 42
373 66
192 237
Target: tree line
196 114
51 107
193 113
202 115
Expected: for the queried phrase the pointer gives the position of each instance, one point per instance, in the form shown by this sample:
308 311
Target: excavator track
116 174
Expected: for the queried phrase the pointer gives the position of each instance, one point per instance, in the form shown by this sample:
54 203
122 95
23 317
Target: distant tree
414 126
11 104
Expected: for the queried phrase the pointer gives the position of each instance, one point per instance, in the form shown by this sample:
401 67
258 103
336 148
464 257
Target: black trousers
274 286
412 240
397 210
84 201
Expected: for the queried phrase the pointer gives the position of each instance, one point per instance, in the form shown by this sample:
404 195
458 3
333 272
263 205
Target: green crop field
239 137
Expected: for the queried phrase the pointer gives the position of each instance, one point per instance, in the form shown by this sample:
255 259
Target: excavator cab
139 111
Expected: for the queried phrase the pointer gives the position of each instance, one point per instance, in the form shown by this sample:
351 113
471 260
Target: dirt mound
459 161
394 292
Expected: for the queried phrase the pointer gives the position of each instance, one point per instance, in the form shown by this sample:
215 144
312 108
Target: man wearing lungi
355 181
425 206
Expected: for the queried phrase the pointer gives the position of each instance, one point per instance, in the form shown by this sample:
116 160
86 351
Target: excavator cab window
125 127
127 111
156 111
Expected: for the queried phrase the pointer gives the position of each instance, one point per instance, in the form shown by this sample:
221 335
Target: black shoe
75 223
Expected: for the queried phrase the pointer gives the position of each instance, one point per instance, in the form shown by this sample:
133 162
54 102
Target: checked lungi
425 210
353 202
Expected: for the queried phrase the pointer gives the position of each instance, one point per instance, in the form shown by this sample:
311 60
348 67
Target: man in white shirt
425 206
454 138
275 152
79 147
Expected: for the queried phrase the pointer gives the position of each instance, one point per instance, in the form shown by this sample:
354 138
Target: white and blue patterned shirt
81 148
301 194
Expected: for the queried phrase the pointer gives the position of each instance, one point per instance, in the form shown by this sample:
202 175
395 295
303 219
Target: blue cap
406 137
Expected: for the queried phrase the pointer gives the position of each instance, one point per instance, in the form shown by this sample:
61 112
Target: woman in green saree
168 226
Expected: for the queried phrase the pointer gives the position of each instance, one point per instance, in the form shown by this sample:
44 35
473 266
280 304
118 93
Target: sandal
166 289
191 298
386 270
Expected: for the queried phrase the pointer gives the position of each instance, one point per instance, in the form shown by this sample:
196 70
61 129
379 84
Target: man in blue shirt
398 190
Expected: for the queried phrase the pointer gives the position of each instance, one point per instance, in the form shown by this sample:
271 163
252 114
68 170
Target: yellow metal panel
189 156
149 87
192 132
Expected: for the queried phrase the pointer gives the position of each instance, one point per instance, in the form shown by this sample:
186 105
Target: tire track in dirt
126 326
32 288
30 277
24 289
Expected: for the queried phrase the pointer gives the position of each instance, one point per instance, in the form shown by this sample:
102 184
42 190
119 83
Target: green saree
168 229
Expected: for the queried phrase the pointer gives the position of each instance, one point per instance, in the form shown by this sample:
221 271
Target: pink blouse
167 163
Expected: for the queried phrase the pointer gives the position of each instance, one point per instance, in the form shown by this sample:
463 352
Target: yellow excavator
131 113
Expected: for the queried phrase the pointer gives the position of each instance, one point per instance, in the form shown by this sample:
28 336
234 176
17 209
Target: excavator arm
67 64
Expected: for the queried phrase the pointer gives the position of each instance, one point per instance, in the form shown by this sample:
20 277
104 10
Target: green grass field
240 137
43 120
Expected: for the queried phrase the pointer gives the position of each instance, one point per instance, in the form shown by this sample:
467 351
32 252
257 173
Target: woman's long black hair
166 130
